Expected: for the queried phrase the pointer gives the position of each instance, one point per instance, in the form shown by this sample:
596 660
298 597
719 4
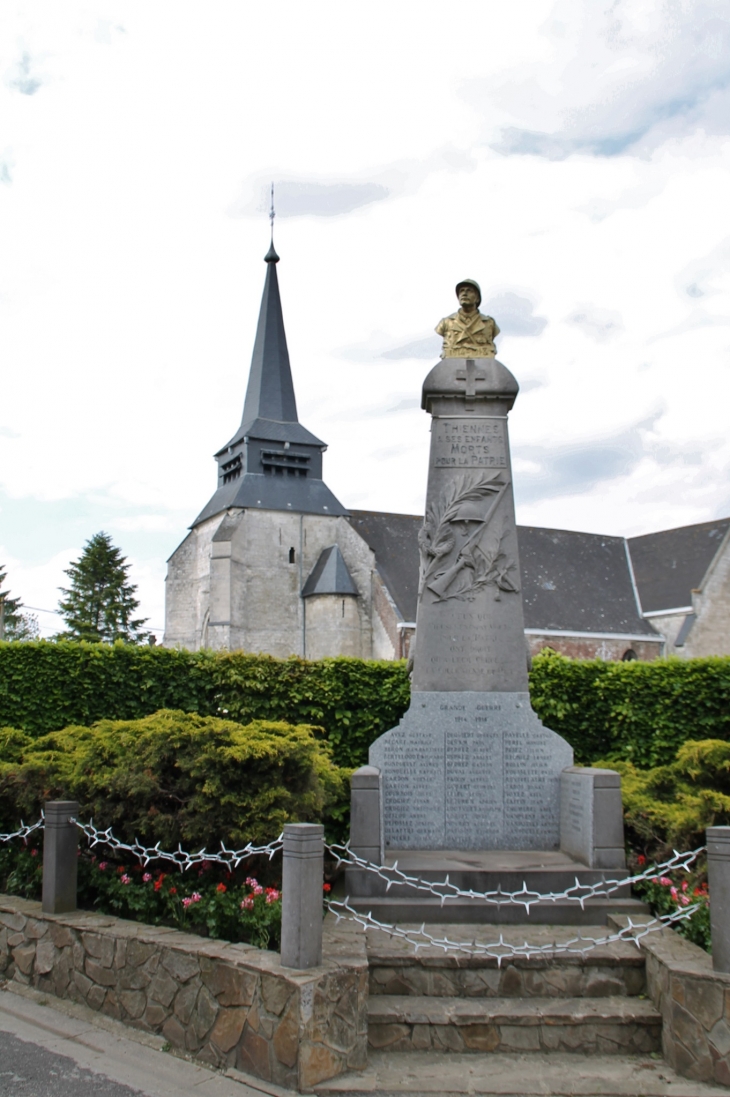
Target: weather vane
272 213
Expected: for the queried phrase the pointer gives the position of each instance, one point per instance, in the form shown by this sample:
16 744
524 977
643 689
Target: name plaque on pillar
469 443
470 771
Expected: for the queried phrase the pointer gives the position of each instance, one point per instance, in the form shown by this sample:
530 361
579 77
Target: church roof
572 582
394 540
329 575
669 565
578 582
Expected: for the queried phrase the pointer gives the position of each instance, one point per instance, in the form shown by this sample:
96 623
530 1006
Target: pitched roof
394 540
578 582
329 575
300 495
574 582
669 565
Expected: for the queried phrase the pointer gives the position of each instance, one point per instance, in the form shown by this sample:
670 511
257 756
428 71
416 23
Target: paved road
27 1070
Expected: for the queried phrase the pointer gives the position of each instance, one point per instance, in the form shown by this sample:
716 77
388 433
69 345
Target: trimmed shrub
177 777
669 807
638 712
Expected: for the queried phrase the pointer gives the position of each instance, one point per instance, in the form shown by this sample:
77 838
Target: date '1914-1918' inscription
468 443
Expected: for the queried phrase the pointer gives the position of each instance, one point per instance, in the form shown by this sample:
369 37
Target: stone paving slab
555 1075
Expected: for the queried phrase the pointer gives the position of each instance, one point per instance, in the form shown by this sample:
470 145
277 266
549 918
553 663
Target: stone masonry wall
694 1002
586 647
228 1005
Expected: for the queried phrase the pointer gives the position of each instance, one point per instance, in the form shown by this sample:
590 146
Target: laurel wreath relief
481 558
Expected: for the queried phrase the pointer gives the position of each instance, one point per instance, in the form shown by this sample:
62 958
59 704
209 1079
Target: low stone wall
694 1002
229 1005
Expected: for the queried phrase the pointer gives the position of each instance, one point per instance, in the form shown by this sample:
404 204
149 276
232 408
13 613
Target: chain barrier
444 889
504 950
24 831
229 857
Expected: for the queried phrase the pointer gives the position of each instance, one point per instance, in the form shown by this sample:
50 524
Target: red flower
641 859
173 891
326 887
221 887
121 869
158 884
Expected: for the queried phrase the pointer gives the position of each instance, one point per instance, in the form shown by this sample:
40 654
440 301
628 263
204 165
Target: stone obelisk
470 766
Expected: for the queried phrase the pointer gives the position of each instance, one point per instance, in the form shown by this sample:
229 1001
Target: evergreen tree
16 625
100 602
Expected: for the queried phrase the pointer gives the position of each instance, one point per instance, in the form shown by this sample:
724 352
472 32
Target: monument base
542 871
470 771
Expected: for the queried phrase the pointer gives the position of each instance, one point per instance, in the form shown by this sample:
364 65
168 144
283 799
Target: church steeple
270 392
272 462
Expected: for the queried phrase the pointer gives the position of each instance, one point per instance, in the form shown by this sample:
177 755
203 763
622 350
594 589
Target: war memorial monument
470 782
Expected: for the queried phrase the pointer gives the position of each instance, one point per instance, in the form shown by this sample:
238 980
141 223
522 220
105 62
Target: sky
572 157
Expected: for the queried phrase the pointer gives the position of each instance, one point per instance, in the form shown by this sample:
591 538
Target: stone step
615 1025
540 871
556 1074
393 911
615 969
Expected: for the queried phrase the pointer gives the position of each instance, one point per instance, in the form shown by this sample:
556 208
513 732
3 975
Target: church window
343 607
292 556
629 656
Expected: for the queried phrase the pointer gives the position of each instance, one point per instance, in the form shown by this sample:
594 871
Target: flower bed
677 891
207 900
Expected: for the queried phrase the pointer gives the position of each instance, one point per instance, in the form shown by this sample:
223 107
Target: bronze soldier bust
467 333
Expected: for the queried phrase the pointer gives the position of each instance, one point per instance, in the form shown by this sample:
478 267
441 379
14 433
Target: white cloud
134 225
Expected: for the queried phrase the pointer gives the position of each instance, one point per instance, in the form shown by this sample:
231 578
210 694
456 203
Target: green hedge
45 687
639 712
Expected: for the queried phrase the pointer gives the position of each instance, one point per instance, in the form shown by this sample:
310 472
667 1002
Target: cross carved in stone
471 377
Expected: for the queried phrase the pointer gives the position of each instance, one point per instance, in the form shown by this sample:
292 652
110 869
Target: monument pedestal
470 784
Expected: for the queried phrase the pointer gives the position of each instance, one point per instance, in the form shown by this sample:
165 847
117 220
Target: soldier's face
467 297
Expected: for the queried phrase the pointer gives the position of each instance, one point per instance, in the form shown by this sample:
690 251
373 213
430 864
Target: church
275 563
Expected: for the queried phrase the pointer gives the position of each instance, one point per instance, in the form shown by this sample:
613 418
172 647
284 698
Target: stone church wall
235 582
710 634
610 649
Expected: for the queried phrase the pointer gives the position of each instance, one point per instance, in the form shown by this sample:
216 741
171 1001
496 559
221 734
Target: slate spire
270 392
272 462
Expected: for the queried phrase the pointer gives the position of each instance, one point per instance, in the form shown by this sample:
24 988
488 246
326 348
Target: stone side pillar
591 817
60 857
301 894
718 873
366 814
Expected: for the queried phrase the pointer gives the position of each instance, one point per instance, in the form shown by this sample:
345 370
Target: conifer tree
16 625
100 602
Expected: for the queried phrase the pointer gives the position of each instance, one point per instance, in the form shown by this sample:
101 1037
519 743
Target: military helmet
473 284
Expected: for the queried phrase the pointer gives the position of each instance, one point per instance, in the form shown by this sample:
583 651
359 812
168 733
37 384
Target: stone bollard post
60 857
718 875
301 886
